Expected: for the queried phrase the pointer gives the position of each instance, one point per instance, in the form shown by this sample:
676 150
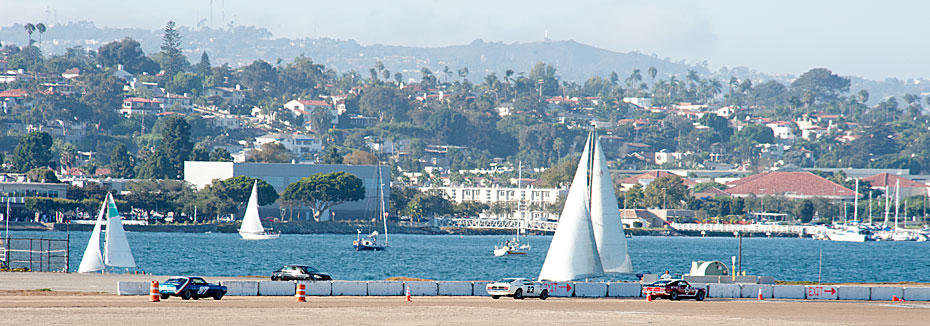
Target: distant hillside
242 44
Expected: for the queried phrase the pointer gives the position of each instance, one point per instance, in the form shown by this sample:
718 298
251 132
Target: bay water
454 257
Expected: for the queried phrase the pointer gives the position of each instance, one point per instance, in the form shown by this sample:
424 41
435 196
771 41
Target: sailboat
849 233
370 242
116 248
589 240
251 228
512 247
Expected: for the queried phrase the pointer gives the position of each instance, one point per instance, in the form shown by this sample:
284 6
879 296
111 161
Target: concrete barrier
385 288
241 288
624 289
818 292
885 293
746 279
590 289
723 290
276 288
319 288
422 288
480 288
560 289
133 288
917 294
350 288
788 292
854 293
455 288
766 280
752 291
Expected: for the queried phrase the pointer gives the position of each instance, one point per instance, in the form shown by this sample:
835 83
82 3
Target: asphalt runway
35 308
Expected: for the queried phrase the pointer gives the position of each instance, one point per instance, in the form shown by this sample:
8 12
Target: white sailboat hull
259 236
846 237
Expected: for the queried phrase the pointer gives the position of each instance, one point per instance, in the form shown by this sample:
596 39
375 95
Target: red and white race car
518 288
674 289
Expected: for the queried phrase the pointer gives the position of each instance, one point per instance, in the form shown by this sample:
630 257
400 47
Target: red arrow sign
568 287
832 291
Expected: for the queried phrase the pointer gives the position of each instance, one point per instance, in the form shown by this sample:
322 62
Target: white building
296 143
175 101
781 129
535 201
233 96
306 107
137 105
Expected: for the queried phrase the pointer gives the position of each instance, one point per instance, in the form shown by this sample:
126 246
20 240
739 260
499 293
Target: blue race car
190 288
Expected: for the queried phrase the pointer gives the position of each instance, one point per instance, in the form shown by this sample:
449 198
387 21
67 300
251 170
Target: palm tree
447 73
41 28
463 73
30 28
652 75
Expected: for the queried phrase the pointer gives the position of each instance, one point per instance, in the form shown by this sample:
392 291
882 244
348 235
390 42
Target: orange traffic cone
895 298
154 295
301 293
649 297
760 293
408 294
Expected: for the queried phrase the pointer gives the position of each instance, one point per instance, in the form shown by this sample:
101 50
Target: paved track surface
135 310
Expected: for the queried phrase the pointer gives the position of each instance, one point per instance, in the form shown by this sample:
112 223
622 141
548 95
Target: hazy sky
873 39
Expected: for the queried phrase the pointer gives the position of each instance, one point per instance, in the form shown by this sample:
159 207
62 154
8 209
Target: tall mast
856 204
897 200
383 212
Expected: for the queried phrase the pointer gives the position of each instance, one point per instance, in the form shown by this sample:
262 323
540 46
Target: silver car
518 288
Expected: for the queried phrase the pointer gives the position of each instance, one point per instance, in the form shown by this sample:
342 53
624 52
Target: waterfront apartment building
279 175
525 202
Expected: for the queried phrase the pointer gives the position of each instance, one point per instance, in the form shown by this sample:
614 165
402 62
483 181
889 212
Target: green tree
720 126
754 134
820 83
331 156
185 82
428 204
127 52
634 198
220 154
666 192
204 67
804 210
172 59
200 154
42 174
239 189
560 175
470 208
175 144
33 150
322 191
269 153
386 103
121 165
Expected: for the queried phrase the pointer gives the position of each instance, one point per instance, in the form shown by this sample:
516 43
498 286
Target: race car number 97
203 289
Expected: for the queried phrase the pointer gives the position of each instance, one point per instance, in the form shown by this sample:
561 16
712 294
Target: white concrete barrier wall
885 293
319 288
241 288
480 288
133 288
385 288
560 289
724 290
752 291
276 288
350 288
590 289
917 294
821 292
422 288
624 289
788 292
854 293
455 288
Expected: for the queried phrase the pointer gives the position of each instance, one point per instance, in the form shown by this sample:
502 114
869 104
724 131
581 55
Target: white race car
518 288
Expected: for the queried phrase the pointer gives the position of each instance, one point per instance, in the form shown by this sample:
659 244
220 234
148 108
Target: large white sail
251 223
605 217
116 249
572 252
92 260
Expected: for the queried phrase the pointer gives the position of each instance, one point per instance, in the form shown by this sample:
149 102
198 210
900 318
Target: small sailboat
116 247
252 228
589 239
370 242
512 247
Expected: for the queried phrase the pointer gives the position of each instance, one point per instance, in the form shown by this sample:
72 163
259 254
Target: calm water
451 257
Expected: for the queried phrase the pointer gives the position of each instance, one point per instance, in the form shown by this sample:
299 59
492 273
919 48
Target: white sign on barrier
560 289
822 292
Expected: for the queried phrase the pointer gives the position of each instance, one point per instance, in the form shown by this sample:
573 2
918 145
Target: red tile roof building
789 184
887 182
645 178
